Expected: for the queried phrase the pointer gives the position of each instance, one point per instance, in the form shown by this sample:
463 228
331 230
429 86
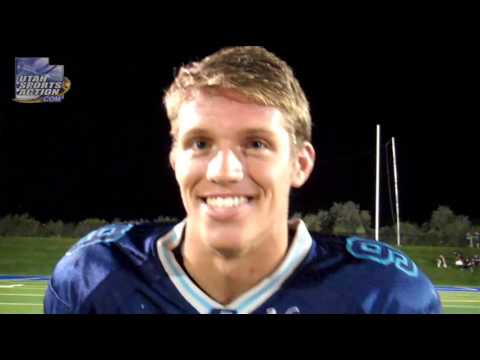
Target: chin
228 249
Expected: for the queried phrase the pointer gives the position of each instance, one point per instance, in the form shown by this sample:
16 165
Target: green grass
38 256
31 255
24 299
460 302
28 299
425 257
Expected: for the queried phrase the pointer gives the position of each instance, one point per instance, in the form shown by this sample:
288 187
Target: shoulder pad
106 234
381 253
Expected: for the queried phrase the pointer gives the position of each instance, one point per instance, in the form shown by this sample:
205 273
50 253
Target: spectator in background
441 262
459 259
476 260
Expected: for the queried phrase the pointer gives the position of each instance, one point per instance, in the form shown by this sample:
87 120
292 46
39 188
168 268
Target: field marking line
31 289
24 287
9 294
20 304
461 294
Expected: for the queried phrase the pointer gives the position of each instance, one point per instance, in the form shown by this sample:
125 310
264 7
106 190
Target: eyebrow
196 132
249 131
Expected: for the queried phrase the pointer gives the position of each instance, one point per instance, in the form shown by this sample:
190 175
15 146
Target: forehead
227 112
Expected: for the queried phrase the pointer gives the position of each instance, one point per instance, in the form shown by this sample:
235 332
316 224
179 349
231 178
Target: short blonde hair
252 71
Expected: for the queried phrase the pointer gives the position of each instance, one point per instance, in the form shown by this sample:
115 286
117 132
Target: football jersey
135 269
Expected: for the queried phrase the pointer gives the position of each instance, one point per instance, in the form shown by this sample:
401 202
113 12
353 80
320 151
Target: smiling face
234 166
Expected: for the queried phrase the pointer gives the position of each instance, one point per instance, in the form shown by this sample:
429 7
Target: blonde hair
251 71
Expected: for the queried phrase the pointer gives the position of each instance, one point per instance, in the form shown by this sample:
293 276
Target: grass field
26 297
459 302
22 297
425 258
34 256
31 255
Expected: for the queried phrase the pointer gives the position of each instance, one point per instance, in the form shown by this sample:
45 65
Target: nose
225 167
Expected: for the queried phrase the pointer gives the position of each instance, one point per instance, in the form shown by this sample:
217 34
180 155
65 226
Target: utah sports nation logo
36 81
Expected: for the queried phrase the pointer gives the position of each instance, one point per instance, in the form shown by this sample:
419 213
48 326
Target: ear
172 157
303 164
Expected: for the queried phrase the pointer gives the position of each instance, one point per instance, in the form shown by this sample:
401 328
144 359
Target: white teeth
225 202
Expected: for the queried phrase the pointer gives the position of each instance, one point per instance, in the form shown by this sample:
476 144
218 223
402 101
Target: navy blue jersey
132 269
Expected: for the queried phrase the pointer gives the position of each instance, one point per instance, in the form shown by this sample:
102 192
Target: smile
226 201
223 207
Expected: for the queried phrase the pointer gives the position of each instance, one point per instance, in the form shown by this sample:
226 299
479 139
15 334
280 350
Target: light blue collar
254 297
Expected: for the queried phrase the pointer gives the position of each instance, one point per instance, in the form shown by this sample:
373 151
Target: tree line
445 228
25 225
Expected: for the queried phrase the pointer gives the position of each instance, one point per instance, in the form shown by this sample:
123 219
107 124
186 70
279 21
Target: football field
24 295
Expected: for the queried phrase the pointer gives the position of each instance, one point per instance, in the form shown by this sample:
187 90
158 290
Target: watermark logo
36 81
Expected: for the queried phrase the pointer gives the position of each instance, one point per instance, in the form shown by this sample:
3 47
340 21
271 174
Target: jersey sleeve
413 296
81 269
53 304
394 284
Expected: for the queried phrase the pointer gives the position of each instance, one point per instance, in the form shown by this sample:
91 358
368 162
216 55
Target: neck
225 278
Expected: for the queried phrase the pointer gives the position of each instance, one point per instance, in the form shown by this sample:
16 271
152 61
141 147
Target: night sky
103 152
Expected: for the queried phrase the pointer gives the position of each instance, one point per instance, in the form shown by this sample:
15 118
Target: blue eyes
199 145
202 145
257 144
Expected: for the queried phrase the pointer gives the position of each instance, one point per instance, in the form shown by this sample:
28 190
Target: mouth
224 208
225 202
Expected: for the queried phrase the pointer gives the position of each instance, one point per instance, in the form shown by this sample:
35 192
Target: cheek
273 176
188 172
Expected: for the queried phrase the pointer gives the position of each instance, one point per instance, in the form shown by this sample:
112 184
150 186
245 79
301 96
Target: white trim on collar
253 298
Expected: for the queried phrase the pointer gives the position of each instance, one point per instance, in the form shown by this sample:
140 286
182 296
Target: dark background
103 152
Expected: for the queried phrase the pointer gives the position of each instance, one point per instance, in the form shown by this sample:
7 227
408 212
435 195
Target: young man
241 129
